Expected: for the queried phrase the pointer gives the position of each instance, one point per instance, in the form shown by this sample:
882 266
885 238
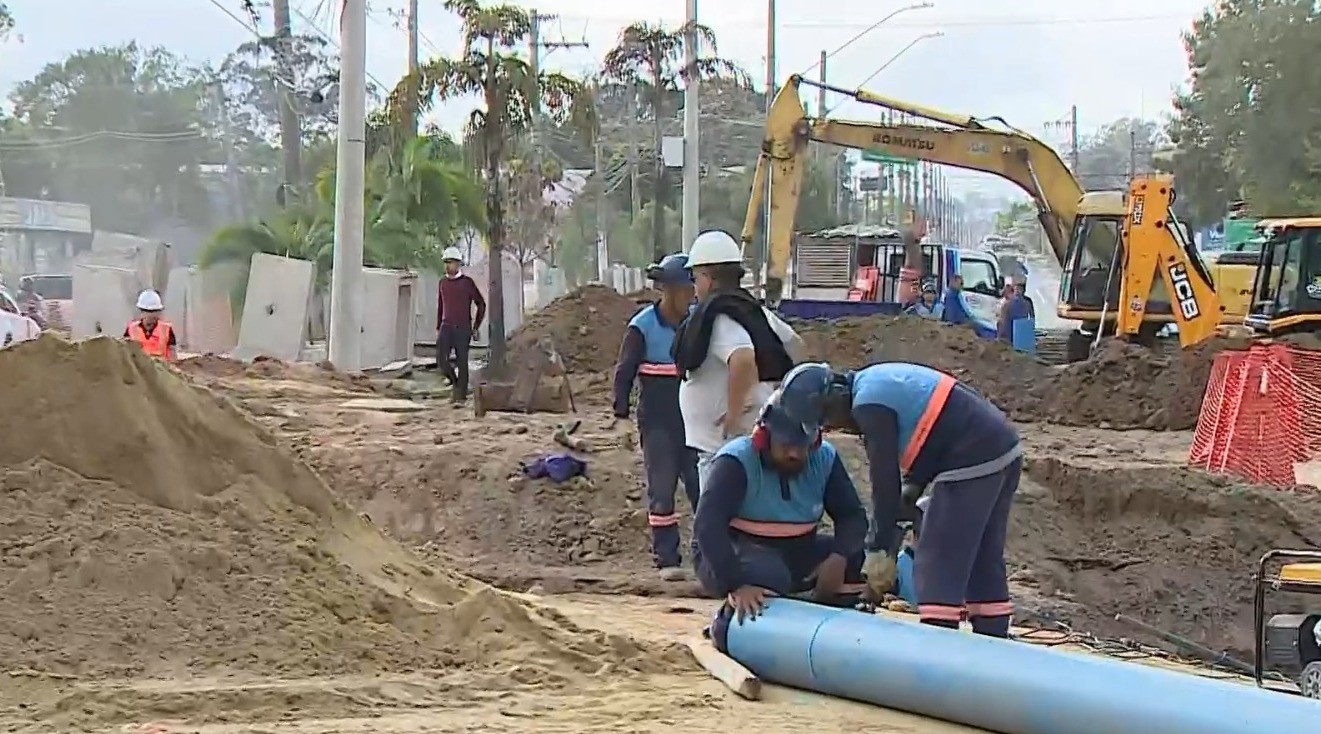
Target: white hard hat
452 253
150 300
714 247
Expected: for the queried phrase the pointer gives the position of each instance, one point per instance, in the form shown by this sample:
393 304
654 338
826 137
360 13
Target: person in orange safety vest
149 330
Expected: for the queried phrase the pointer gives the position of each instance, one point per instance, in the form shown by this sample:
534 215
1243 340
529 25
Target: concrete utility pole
759 259
1073 137
291 134
692 171
602 228
350 162
535 48
413 33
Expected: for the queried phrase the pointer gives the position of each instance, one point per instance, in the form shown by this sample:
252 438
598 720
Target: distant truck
854 271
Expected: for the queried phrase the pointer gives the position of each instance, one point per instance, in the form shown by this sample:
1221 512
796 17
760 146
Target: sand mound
1170 546
147 526
208 366
586 326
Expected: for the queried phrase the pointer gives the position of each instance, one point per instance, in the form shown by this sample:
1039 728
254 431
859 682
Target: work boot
673 573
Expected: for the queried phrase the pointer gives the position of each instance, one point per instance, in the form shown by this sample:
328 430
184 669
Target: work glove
880 570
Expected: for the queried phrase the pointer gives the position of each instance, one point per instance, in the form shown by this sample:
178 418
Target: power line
984 22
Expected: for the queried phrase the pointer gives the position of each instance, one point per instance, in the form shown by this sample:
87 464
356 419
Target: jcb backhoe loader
1083 228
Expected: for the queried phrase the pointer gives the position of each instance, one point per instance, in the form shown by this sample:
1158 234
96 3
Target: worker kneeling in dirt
760 505
645 355
923 427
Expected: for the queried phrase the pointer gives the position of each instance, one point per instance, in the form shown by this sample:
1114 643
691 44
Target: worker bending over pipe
923 427
761 502
645 356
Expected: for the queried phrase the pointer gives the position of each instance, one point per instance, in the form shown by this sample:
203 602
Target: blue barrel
1025 335
999 685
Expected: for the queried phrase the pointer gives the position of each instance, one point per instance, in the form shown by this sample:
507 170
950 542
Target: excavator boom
1011 155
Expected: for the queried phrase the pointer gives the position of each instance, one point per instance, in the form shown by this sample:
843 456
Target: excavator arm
1012 155
1155 248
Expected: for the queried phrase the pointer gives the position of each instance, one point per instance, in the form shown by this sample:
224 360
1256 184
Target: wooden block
725 669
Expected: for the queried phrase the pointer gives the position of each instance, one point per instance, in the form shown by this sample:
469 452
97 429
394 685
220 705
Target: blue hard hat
795 413
671 270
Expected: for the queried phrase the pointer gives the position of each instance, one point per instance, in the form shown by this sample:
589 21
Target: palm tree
650 58
491 68
419 199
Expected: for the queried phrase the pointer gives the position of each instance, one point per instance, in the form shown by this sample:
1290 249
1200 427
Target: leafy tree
650 59
1244 127
1104 159
117 128
6 21
253 88
418 200
491 69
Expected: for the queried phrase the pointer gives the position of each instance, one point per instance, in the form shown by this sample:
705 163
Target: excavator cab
1287 290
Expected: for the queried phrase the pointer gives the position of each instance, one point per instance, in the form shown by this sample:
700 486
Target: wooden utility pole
291 134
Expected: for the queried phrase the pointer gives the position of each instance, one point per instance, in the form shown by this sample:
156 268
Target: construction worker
761 503
928 307
456 322
150 331
645 355
923 427
731 351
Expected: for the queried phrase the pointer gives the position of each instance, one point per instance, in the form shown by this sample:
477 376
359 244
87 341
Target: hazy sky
1026 60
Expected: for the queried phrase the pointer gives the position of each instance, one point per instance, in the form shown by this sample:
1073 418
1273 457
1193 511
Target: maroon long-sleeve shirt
458 296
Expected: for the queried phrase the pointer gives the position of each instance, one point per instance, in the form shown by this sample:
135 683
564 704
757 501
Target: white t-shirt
704 396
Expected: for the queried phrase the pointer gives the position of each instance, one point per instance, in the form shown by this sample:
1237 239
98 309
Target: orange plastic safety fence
1261 414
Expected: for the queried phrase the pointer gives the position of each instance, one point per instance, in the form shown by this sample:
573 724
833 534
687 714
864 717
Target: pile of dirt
1169 546
585 325
1128 386
1122 386
148 526
453 486
1011 380
212 366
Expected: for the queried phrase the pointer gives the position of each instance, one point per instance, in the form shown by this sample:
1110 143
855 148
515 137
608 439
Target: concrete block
275 310
209 309
426 291
150 259
103 300
176 304
388 329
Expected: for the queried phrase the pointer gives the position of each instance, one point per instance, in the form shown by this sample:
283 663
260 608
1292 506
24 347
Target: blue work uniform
924 427
645 357
757 527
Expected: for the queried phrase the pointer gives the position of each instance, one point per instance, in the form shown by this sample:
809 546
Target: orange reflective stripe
927 421
943 612
772 529
990 609
663 521
657 369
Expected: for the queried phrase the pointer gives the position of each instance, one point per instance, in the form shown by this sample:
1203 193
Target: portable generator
1288 644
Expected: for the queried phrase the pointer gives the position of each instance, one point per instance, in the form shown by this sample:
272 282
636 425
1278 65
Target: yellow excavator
1083 228
1287 292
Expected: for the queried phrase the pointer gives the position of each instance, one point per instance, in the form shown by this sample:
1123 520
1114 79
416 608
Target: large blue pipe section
1000 685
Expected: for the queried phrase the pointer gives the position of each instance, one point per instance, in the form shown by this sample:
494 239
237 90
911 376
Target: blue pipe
1000 685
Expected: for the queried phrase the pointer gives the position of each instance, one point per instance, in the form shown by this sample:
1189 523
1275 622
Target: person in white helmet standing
456 322
731 351
154 334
